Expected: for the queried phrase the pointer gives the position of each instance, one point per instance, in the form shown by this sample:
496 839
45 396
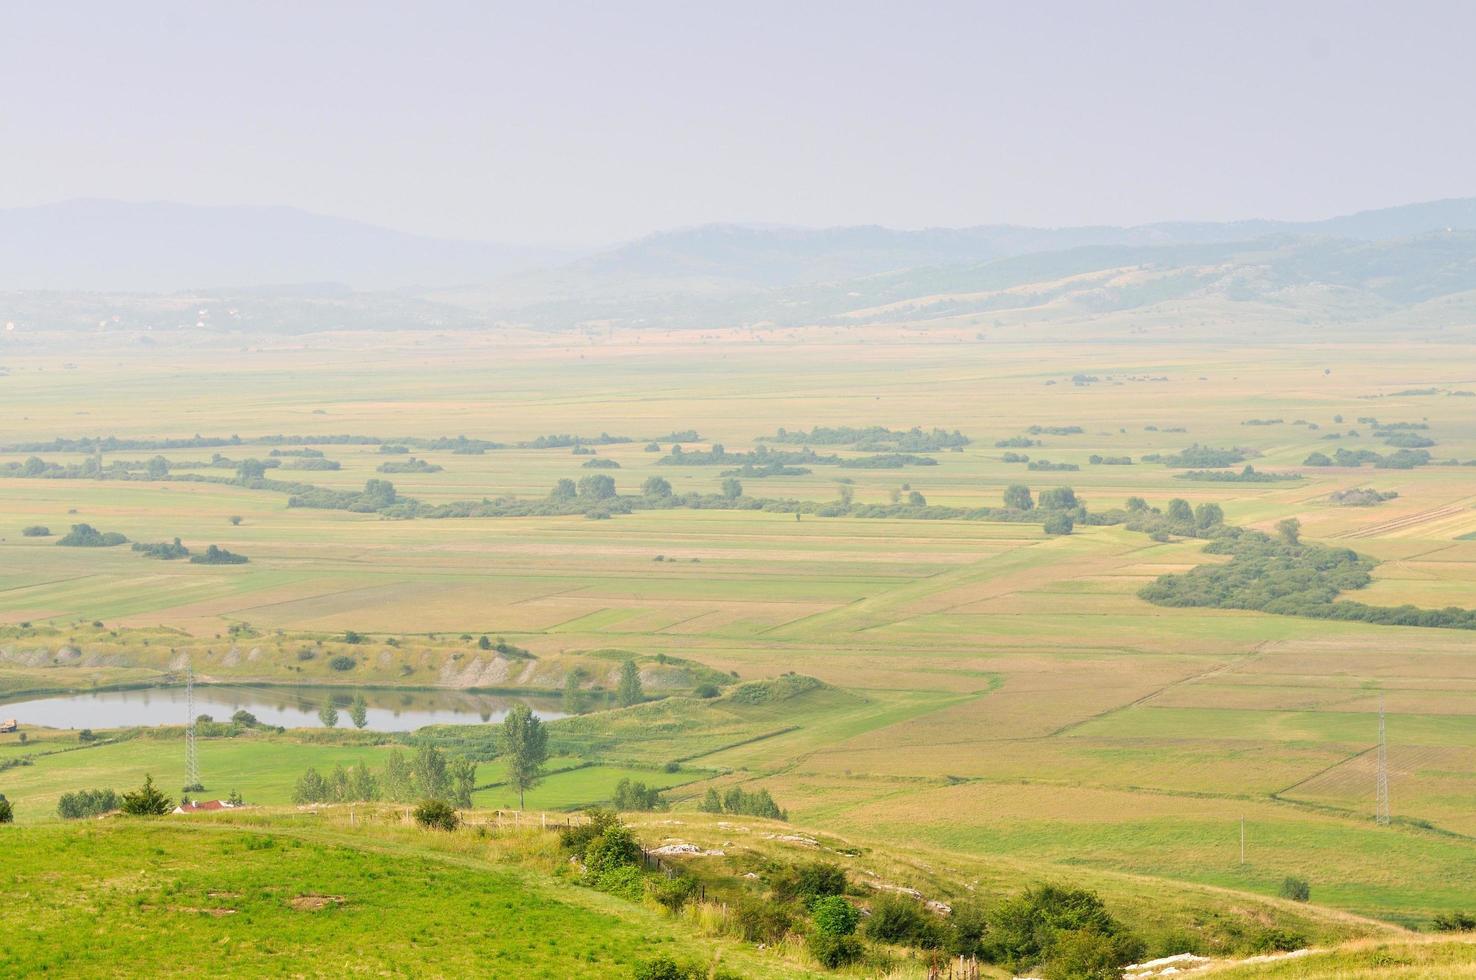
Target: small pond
290 707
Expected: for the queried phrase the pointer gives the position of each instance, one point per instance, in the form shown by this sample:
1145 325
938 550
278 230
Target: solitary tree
338 785
573 695
463 781
1296 889
1017 497
7 812
732 489
362 784
1059 523
311 788
656 486
359 711
398 782
379 493
1208 516
1059 498
436 815
146 800
1290 530
328 714
250 469
599 487
524 741
430 773
629 692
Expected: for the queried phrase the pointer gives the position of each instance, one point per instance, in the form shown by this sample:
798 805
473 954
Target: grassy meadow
992 691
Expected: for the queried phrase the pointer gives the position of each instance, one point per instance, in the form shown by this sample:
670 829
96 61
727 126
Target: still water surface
290 707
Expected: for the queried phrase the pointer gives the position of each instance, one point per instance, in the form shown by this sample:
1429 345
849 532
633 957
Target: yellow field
1012 694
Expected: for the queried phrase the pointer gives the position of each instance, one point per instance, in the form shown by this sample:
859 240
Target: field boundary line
1323 771
1220 669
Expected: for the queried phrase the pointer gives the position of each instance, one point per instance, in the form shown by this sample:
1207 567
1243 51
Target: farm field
991 690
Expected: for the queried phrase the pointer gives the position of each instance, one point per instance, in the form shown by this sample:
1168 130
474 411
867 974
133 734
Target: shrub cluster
738 800
875 438
87 536
216 555
87 803
1286 576
631 796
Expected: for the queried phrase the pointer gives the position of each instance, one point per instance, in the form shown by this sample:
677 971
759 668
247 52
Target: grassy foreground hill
299 895
364 891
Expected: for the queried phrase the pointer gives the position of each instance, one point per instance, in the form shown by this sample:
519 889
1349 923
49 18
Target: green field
294 898
993 691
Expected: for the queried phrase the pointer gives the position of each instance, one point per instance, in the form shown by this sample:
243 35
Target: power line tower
1381 806
192 761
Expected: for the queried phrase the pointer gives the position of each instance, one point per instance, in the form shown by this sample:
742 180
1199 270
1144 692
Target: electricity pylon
192 761
1381 806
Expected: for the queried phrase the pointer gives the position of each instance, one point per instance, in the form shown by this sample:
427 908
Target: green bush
807 882
87 536
966 927
1454 922
1278 941
215 555
1084 955
631 796
663 967
1039 928
343 662
436 815
835 916
625 881
672 893
833 951
146 800
576 839
758 921
1059 523
36 531
1295 889
615 848
756 804
86 803
902 920
163 550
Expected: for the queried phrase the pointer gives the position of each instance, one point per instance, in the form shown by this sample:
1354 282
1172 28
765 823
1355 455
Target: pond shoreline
387 708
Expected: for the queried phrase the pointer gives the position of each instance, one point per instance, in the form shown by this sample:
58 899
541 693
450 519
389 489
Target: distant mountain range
784 256
100 245
1405 266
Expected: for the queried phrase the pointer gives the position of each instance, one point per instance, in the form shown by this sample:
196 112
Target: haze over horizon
483 123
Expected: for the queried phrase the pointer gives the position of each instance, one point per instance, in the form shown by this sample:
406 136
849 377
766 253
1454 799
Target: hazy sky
591 122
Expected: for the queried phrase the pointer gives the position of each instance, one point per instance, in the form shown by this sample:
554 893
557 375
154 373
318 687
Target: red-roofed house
205 806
